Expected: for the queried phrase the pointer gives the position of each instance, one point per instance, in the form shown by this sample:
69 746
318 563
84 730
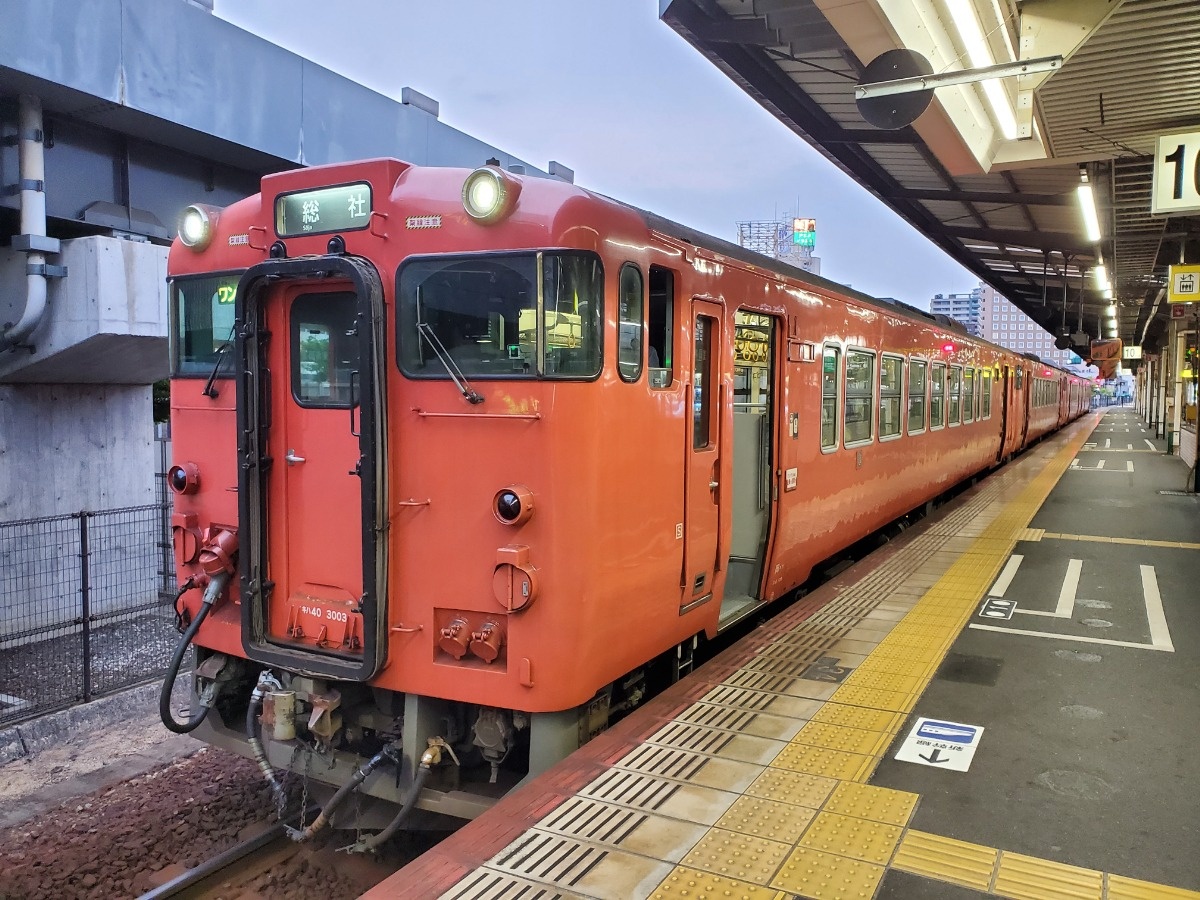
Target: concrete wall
65 447
105 322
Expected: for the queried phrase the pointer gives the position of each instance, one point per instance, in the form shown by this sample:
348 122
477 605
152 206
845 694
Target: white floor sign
943 745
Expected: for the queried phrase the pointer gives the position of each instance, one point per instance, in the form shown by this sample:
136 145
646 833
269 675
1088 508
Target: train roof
750 257
735 251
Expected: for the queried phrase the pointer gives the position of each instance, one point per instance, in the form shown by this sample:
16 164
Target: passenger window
324 349
916 396
937 400
969 395
985 390
829 398
662 326
954 413
702 384
860 386
890 377
629 338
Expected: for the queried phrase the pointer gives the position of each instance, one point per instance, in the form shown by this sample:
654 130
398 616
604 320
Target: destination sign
346 207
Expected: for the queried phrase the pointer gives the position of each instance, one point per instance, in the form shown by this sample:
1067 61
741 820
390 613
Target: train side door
703 489
752 421
1010 438
309 461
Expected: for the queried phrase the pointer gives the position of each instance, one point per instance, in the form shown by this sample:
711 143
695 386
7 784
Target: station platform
1001 702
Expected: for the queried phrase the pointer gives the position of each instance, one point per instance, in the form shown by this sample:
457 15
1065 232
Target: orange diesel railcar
467 460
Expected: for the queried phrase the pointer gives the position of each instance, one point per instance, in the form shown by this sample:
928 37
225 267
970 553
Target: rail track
270 861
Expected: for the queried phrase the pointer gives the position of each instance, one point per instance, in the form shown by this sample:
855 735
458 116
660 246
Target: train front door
309 470
703 490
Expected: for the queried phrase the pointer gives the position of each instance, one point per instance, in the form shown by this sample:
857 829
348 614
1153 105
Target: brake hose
211 594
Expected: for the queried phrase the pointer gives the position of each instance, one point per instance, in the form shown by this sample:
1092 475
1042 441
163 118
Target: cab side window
630 336
661 326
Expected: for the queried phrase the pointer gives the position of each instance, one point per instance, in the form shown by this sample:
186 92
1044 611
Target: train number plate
323 623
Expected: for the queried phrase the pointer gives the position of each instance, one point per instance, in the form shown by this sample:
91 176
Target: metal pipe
390 753
266 681
366 845
32 163
211 594
85 604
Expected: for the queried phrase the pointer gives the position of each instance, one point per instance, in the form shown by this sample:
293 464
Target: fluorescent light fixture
1102 282
1112 309
1087 206
962 14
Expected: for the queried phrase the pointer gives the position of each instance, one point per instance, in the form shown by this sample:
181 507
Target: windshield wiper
447 361
210 389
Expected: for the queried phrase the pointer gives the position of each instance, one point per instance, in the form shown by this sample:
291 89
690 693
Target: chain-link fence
85 606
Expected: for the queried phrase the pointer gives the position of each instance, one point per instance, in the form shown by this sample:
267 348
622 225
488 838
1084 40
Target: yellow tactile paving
873 698
696 885
862 839
769 819
829 763
946 859
1120 888
878 804
823 876
789 786
885 681
859 717
739 856
1029 878
886 659
839 737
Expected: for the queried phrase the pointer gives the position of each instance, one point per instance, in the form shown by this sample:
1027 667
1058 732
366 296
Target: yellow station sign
1183 284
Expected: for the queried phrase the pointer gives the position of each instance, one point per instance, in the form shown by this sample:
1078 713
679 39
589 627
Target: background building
793 241
988 315
963 308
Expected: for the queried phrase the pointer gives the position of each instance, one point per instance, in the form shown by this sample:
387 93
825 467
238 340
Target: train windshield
523 315
202 322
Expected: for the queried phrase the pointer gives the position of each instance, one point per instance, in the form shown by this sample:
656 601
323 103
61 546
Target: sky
608 90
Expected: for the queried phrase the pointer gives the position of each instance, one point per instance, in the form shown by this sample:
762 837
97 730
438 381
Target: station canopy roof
990 170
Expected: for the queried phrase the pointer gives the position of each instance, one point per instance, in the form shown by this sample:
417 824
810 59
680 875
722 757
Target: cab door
315 522
703 490
309 414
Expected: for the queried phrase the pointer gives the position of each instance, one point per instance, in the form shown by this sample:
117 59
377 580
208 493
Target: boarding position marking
942 744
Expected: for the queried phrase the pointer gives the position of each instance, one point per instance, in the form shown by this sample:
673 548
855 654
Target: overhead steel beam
989 197
962 76
1041 240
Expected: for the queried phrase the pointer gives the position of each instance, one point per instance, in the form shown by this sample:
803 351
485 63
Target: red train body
485 454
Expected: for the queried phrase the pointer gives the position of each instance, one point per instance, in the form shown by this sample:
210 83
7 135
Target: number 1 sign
1176 175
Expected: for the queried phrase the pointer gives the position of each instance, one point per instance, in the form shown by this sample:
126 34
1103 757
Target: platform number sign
1176 175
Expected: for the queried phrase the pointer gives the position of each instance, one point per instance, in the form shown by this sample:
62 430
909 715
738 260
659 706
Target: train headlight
489 194
184 479
197 225
513 505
